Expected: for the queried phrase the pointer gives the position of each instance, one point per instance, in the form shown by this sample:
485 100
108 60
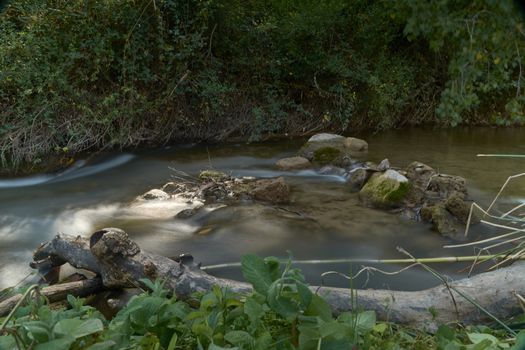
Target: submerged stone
293 163
271 190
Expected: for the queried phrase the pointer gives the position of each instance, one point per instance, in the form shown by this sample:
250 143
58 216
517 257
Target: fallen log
121 263
57 293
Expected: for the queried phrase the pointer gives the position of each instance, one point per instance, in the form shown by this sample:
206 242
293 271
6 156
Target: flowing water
95 194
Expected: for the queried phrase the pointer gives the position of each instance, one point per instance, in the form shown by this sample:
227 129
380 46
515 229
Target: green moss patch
325 155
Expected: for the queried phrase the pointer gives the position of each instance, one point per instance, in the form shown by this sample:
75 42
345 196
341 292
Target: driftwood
121 263
57 292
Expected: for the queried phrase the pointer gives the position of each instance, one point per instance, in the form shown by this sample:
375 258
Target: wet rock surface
385 190
293 163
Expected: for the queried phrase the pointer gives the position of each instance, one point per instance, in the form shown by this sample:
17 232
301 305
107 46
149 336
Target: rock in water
442 221
293 163
458 207
328 155
446 185
154 194
271 190
385 190
356 178
419 174
332 170
384 165
323 148
332 149
355 145
325 137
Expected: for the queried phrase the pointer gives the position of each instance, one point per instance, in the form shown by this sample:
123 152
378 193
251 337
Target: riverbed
323 221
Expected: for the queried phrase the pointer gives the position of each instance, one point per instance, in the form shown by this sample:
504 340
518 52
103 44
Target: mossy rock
442 221
385 190
213 175
327 155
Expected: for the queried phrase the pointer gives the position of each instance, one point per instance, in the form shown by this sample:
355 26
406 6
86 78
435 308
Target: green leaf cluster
282 313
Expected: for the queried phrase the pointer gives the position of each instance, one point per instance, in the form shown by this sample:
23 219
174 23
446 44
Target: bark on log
121 263
57 292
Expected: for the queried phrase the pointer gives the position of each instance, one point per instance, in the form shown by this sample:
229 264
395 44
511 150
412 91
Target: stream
94 194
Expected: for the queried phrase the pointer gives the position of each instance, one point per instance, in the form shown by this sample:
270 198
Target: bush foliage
282 314
84 74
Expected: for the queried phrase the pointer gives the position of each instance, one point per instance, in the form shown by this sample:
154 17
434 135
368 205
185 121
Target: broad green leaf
319 307
78 328
202 329
253 309
263 342
274 266
256 272
380 328
366 321
305 294
520 341
477 338
7 342
308 337
109 344
280 303
57 344
173 342
38 330
217 347
446 332
238 338
334 329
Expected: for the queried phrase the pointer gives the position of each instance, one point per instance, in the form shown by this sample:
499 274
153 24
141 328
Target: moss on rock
385 190
213 175
327 155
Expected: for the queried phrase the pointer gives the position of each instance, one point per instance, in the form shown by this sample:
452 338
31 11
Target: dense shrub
282 314
84 74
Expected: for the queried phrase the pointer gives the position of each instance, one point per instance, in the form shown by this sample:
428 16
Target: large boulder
353 144
293 163
271 190
385 190
321 147
328 155
332 148
325 137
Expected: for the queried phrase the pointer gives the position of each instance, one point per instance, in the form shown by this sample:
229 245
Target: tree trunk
121 263
57 292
